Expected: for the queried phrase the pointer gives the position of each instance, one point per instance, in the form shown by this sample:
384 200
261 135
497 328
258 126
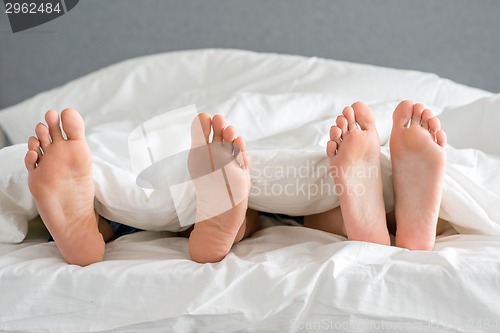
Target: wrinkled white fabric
284 278
281 280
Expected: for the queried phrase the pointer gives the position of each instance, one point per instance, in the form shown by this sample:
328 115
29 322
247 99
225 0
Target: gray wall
457 39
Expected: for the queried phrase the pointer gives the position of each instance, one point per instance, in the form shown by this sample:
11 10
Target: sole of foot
418 163
60 180
220 173
354 154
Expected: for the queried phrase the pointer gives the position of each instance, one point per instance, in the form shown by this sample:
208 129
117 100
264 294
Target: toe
342 123
402 114
218 124
426 115
52 119
201 127
331 148
229 134
363 115
34 145
441 138
335 134
240 152
348 113
416 116
42 133
434 125
30 160
72 124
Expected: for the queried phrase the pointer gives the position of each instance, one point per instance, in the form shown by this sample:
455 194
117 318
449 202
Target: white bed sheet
284 279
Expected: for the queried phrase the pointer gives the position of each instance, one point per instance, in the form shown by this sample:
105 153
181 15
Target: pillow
16 204
472 125
138 89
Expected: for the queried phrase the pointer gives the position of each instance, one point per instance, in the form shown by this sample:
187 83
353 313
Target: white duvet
284 278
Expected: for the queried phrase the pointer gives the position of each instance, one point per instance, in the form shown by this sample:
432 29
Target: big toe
364 115
73 124
402 114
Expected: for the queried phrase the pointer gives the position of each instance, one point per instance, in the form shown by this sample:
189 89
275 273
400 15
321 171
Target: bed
285 277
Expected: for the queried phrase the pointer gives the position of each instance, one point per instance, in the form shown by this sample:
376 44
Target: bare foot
220 173
418 162
354 154
60 181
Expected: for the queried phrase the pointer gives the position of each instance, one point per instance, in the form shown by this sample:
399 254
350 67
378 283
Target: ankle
382 238
207 247
83 250
413 240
